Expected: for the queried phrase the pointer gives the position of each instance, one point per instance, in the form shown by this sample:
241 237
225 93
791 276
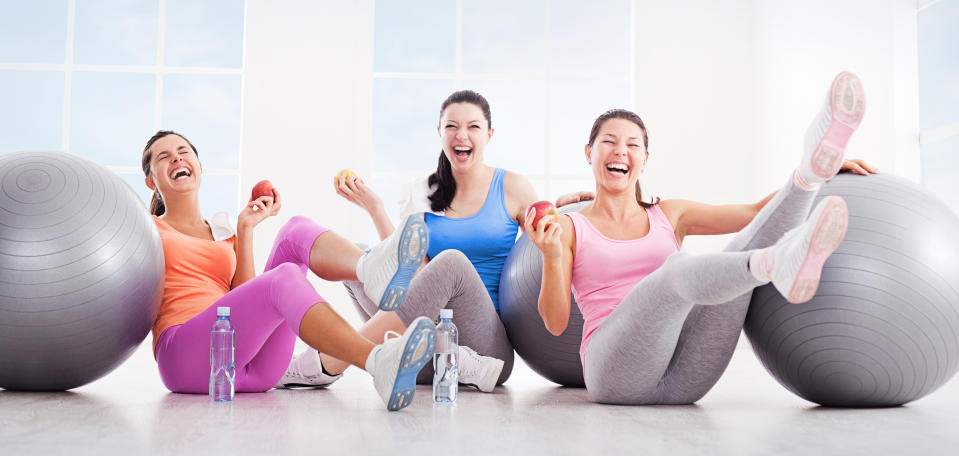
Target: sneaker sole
847 103
827 235
414 242
418 350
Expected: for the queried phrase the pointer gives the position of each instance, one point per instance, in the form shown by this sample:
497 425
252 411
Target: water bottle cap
223 311
446 314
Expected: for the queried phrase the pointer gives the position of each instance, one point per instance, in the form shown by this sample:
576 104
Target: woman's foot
478 370
794 264
306 371
387 268
395 364
830 131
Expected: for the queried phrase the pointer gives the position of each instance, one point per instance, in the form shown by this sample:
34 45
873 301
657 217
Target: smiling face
618 155
174 167
464 133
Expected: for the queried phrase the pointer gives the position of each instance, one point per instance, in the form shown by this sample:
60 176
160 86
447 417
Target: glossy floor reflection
130 412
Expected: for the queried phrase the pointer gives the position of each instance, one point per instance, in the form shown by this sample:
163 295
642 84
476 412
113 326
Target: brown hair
443 177
156 203
632 117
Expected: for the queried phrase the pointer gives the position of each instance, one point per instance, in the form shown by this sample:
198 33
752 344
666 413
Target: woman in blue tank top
474 213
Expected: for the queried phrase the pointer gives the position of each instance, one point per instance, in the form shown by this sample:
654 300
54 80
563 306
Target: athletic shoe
478 370
826 137
400 359
387 268
306 371
797 259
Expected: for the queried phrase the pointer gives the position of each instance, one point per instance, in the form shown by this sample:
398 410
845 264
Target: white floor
129 412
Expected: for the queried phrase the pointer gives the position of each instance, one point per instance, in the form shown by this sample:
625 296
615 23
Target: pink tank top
605 269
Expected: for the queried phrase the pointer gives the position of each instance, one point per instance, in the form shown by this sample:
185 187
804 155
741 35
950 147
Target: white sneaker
387 268
478 370
796 260
826 137
306 371
400 359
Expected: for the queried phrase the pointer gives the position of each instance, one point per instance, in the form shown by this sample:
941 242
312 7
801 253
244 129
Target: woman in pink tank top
660 325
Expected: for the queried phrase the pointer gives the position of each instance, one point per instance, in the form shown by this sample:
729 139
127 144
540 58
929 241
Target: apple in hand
262 188
542 208
345 174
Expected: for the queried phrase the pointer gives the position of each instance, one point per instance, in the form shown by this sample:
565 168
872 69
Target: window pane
205 108
519 124
219 193
207 33
33 31
589 38
939 65
31 110
417 36
575 105
513 43
111 116
940 160
116 32
405 117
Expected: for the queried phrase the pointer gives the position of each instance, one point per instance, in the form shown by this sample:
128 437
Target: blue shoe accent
418 350
413 245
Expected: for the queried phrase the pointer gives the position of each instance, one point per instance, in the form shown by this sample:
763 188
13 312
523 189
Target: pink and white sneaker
827 136
797 259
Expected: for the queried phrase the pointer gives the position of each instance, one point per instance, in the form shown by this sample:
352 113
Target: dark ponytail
442 197
632 117
157 207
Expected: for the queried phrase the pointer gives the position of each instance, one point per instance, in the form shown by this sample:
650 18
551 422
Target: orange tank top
198 273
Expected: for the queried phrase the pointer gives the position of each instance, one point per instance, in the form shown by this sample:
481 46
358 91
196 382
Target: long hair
632 117
156 203
442 197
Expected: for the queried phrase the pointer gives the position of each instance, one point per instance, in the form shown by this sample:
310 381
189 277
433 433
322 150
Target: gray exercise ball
82 271
553 357
883 328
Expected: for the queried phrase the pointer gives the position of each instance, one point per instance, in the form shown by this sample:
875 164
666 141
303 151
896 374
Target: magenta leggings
266 313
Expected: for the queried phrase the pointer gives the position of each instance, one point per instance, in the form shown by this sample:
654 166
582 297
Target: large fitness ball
81 271
883 328
553 357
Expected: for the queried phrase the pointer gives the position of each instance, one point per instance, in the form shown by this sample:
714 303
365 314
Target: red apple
542 208
262 188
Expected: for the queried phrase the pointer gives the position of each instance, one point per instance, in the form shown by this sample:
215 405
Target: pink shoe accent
828 234
847 103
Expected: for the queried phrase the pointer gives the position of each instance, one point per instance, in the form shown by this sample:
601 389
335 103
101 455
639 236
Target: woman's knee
451 257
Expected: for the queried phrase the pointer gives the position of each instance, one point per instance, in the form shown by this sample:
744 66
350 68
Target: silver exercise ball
81 271
883 328
554 357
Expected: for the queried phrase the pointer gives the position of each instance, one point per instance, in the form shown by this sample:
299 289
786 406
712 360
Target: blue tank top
485 237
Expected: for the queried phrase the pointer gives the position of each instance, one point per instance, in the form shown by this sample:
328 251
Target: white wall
307 92
728 88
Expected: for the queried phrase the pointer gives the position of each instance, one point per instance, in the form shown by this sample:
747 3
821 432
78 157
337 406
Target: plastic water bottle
446 360
222 367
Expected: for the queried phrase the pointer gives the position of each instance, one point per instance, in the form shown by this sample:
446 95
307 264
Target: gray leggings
450 281
673 334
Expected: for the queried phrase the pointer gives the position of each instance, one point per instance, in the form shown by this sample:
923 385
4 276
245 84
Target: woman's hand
858 166
354 190
571 198
258 210
545 235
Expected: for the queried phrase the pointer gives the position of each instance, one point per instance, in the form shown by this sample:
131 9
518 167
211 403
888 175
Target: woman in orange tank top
209 265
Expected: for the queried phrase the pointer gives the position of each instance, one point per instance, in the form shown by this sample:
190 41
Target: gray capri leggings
450 281
673 334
